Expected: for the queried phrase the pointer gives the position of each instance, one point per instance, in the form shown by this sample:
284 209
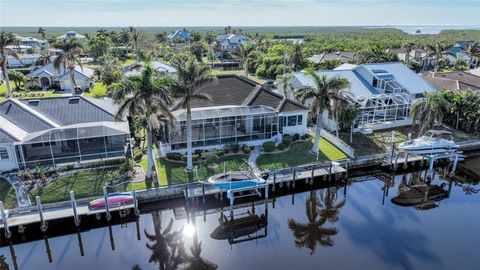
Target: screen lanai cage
383 108
223 125
74 144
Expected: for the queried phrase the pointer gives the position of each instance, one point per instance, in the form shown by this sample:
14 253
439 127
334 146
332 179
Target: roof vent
74 100
33 101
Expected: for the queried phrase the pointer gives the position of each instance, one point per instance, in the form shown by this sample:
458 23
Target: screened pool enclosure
74 144
224 125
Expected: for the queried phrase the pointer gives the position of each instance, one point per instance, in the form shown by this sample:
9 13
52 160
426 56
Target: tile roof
466 80
234 90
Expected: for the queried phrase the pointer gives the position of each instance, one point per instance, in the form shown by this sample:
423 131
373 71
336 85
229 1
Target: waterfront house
179 36
230 43
416 55
48 76
58 131
240 111
459 51
383 93
34 44
28 60
454 80
72 34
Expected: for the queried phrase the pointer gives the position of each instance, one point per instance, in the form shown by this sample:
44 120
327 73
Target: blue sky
237 12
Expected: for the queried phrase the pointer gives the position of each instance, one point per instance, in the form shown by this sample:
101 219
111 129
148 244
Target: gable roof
234 90
179 34
52 71
343 57
22 117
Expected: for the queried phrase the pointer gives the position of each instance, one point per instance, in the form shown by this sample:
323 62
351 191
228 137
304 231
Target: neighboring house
179 36
35 44
72 34
230 42
21 48
455 80
136 68
60 131
48 76
459 51
28 60
343 57
241 111
383 93
416 55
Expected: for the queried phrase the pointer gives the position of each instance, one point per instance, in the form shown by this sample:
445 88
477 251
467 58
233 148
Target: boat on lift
431 143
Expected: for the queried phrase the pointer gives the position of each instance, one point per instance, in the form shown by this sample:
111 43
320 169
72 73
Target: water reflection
318 211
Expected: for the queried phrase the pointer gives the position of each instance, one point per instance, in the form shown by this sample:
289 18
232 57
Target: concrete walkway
23 199
252 160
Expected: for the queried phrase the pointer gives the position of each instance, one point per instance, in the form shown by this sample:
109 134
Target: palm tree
167 246
297 57
124 36
313 232
144 96
437 51
474 52
191 77
341 100
330 209
135 35
69 58
244 53
42 31
6 40
376 55
196 262
428 110
408 47
44 59
284 81
322 92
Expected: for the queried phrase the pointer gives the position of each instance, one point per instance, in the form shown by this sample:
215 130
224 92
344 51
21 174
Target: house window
300 120
284 121
3 153
375 82
292 120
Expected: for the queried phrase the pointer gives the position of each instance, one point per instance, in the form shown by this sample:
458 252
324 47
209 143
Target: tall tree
341 100
44 59
42 31
323 91
284 82
296 58
313 232
135 36
191 77
145 96
69 58
428 110
7 40
125 38
376 55
244 53
437 51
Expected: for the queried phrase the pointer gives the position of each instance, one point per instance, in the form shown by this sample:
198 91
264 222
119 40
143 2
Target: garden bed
7 194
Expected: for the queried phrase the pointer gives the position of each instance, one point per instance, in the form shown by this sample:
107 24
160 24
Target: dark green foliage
287 140
281 146
268 146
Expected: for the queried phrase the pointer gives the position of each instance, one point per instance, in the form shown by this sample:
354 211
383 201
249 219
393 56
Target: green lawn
128 62
238 72
26 94
100 90
7 195
299 154
85 183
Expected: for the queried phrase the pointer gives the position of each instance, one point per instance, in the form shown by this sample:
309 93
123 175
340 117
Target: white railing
347 149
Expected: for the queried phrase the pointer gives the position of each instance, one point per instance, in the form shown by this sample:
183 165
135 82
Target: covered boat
420 195
114 199
431 143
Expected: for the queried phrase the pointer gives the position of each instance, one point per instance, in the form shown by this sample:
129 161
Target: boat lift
454 156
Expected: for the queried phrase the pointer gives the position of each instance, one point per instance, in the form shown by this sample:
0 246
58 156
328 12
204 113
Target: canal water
352 227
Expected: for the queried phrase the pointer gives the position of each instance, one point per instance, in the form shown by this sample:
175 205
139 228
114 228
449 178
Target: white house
240 111
28 60
72 34
136 68
231 42
35 44
383 93
48 76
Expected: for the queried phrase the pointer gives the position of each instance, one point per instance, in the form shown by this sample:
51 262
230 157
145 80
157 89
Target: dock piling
405 162
43 225
76 219
5 221
107 207
330 172
294 176
454 167
203 192
135 203
274 181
